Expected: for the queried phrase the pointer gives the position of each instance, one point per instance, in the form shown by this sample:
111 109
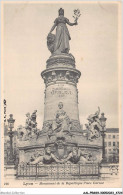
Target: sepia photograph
61 94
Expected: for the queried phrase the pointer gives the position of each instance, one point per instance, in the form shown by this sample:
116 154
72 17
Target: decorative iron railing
58 171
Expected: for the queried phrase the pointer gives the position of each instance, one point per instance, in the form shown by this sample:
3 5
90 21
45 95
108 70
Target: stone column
61 78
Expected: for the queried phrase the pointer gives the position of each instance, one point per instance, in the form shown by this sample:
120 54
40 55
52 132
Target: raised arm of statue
71 24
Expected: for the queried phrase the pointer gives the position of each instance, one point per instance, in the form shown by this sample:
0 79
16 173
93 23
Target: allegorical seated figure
62 123
60 42
60 126
48 158
76 155
62 120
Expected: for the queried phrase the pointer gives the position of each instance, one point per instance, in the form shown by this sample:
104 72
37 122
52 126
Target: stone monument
61 143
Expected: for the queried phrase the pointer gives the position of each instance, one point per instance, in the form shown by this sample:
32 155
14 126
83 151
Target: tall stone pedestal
61 78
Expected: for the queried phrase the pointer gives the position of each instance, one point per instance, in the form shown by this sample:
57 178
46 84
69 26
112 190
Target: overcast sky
94 44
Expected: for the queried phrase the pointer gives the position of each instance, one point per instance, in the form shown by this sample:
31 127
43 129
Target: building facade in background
112 145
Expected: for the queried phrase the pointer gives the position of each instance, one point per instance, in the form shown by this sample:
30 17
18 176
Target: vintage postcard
61 94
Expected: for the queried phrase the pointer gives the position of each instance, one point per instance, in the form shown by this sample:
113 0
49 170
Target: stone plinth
35 147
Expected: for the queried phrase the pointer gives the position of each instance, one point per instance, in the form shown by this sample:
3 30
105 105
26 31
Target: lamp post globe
11 122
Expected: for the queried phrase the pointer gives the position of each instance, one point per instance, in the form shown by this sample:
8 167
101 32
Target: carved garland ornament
61 76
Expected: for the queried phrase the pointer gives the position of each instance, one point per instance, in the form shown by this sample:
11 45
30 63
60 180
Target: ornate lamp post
11 134
103 125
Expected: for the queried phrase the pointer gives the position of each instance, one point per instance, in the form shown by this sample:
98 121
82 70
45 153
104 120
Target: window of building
105 144
109 136
113 136
113 143
109 143
118 144
117 136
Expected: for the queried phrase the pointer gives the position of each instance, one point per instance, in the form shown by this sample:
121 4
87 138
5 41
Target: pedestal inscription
61 92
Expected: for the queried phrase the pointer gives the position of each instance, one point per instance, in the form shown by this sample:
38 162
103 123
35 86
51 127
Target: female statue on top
59 43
